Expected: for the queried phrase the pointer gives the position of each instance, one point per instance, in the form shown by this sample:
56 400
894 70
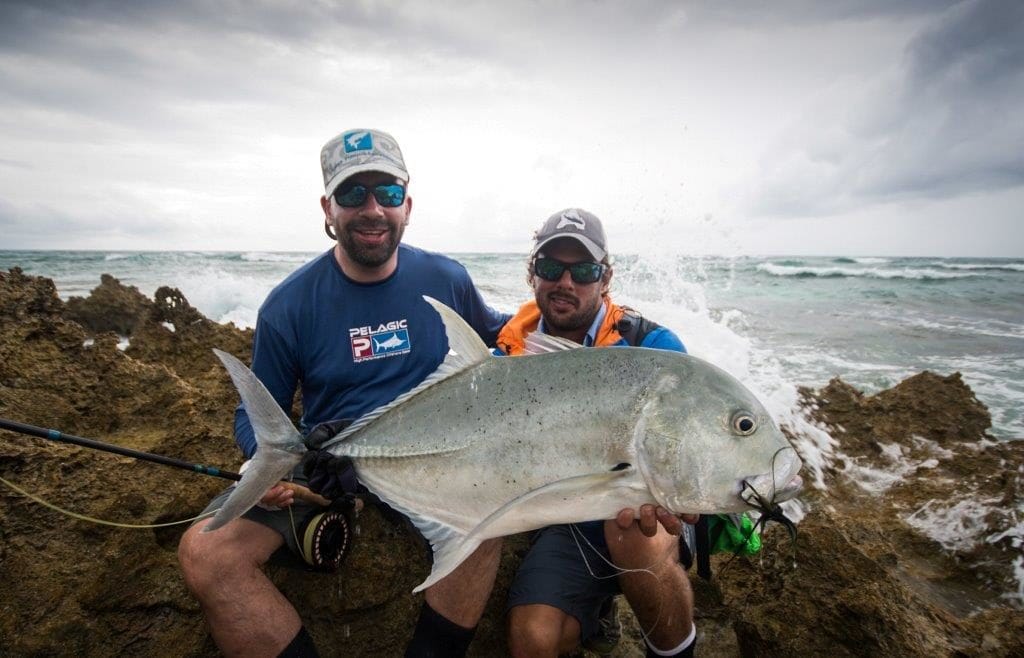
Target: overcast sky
787 127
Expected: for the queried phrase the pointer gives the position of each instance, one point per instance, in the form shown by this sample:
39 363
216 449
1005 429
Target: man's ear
408 209
325 205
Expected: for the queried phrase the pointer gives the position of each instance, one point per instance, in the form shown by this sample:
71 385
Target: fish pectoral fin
549 503
452 546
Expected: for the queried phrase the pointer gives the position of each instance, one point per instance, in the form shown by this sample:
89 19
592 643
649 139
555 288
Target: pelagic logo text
378 342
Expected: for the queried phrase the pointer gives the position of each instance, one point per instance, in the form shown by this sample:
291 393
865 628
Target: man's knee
199 558
540 630
632 549
211 559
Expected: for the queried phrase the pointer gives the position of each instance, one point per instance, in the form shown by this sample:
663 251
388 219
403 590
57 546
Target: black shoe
609 630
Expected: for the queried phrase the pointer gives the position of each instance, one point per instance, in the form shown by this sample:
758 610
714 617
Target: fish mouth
761 491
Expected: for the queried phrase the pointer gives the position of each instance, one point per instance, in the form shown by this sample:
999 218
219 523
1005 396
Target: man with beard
564 590
352 329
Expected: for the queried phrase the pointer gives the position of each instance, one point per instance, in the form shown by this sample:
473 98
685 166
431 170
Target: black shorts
564 571
289 522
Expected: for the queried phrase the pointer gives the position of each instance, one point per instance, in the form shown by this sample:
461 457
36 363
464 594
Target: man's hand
331 477
278 496
650 517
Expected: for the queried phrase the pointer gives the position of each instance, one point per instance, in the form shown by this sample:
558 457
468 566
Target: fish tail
279 444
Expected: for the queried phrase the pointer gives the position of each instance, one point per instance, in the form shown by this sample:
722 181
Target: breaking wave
916 274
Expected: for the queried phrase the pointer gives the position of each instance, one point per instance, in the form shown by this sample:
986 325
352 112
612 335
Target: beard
579 318
364 254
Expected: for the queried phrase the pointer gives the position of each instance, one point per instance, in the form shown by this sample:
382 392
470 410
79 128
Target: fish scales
520 429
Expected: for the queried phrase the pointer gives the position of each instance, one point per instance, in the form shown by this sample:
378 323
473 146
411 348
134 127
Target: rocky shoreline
913 547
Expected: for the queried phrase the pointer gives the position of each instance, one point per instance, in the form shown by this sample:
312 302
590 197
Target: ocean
775 323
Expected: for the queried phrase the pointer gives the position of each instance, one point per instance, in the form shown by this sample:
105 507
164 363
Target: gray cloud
48 225
794 12
181 109
947 123
15 164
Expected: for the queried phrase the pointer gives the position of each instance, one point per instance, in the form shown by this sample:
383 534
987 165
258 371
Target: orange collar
512 338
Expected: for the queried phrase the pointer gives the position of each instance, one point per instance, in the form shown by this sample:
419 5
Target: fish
490 446
391 343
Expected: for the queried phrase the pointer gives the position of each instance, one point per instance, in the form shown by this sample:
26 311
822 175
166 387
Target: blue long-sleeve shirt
355 346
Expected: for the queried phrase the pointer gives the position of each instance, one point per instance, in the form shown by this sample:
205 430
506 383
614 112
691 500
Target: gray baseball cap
575 223
355 151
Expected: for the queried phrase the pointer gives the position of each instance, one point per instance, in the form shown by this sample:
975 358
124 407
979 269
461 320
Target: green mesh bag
725 537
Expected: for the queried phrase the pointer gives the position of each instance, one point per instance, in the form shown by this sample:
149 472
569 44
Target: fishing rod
325 536
299 491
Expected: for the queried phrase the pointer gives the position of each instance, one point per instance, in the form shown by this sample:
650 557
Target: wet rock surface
908 550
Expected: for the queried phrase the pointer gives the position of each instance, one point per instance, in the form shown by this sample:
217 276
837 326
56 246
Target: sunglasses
390 195
550 269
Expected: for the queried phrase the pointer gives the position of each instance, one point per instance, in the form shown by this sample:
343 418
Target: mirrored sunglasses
389 195
550 269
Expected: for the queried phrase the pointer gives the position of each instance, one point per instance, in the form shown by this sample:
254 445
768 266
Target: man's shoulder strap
634 327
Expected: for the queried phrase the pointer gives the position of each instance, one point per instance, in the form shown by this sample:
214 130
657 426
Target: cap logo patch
573 219
358 141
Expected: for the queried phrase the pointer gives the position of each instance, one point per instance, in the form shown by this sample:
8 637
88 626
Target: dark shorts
555 572
288 522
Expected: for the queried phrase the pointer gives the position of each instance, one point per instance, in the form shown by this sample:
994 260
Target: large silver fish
488 446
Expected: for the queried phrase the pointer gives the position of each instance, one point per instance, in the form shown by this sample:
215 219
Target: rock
110 306
880 566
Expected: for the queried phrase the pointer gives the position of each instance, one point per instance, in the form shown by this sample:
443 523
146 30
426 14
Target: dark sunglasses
550 269
390 195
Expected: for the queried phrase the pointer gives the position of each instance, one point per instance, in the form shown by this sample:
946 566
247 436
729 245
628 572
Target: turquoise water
775 323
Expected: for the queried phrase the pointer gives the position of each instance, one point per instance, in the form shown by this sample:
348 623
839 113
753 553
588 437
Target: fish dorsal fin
462 339
465 351
538 343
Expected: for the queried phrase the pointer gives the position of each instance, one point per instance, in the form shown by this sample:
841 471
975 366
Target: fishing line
619 570
576 534
90 519
739 549
769 511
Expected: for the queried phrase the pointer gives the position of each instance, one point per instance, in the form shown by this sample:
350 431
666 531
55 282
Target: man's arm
663 338
485 320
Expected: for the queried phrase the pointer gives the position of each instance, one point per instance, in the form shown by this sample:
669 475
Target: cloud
944 122
796 12
196 123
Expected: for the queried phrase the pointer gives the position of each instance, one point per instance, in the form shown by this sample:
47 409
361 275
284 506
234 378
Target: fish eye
743 423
